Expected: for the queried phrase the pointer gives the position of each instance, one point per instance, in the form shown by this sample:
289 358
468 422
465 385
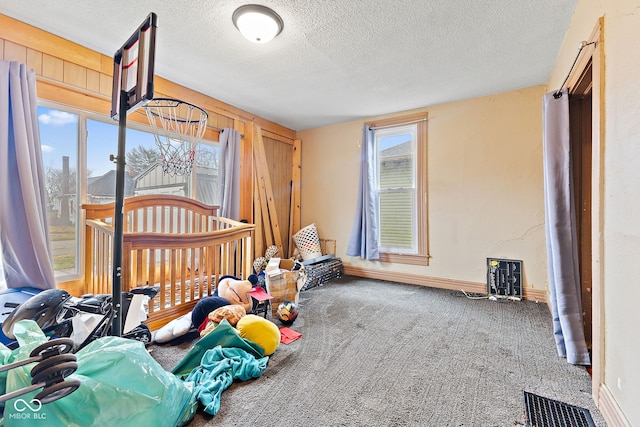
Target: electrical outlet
619 384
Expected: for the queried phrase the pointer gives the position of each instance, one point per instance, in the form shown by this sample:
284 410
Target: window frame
81 170
421 257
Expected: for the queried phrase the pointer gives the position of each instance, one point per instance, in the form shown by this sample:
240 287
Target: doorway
580 118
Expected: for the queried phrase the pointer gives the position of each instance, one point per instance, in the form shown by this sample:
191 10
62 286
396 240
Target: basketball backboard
133 67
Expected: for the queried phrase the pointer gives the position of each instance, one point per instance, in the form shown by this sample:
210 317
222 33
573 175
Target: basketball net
177 127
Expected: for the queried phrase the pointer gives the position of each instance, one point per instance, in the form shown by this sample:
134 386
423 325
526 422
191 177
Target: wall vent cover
544 412
504 278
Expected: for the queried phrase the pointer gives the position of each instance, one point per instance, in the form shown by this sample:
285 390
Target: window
76 149
144 174
400 176
59 137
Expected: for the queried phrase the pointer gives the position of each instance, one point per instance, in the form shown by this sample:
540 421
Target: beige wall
618 233
485 190
485 171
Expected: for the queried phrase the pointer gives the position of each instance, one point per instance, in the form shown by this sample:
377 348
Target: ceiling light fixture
257 23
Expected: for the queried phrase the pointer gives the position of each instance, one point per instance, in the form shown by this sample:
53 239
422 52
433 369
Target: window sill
405 258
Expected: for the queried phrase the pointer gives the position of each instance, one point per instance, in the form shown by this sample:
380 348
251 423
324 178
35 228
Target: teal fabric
223 335
219 367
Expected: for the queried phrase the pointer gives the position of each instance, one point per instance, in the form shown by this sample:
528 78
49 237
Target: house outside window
401 177
76 148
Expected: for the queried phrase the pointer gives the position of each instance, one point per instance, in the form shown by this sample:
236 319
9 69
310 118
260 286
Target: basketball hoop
177 127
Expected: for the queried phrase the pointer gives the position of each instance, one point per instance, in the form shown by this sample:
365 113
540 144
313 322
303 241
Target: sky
391 141
59 137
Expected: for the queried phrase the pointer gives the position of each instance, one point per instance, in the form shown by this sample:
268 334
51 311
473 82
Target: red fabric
288 336
259 294
203 325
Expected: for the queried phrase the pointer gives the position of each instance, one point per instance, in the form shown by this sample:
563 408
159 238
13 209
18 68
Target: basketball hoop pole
118 218
133 66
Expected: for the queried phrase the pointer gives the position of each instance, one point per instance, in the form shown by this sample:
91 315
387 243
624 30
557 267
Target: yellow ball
260 331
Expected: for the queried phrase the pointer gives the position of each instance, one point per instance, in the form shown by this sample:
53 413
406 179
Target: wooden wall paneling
52 67
106 84
210 134
74 75
35 38
225 122
246 173
213 119
279 158
56 92
248 188
199 99
15 52
276 136
274 130
34 61
93 81
294 211
239 125
262 169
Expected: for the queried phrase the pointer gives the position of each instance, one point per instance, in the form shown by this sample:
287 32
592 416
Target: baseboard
609 408
434 282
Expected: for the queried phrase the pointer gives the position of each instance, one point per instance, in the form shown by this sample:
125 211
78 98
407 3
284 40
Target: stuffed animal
174 329
232 313
236 291
231 290
205 306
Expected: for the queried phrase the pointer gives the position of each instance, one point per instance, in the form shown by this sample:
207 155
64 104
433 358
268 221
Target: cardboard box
282 283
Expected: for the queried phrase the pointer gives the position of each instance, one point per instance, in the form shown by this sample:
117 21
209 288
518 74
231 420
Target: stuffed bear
232 313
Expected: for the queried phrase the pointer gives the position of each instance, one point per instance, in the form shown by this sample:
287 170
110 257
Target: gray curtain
363 241
229 174
24 231
3 281
562 250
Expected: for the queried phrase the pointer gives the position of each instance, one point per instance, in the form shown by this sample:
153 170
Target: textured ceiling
335 60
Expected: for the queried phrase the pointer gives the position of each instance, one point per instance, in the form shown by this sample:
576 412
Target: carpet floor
376 353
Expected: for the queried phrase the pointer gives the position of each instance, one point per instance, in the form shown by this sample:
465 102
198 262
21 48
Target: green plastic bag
121 385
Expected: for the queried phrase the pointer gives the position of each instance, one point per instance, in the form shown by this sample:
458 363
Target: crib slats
171 241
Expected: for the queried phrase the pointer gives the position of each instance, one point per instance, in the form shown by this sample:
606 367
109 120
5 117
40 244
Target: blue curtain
363 241
560 217
24 230
229 174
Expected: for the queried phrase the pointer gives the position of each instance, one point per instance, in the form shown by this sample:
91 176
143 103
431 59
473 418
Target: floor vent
543 412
